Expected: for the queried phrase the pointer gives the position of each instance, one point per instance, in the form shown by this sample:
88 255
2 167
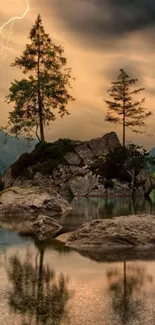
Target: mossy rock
46 157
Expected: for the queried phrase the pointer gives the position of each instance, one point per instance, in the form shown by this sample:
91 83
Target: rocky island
37 184
78 169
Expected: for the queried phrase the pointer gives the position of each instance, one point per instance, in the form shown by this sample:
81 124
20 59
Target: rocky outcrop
72 172
135 231
72 175
28 202
145 183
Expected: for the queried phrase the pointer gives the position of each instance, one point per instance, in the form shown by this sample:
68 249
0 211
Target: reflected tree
37 294
125 289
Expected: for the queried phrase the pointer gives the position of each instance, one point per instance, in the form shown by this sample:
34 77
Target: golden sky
99 38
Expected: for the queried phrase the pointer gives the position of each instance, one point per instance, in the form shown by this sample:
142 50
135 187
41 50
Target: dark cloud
132 68
103 20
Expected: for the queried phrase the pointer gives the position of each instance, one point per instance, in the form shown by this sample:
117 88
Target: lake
49 284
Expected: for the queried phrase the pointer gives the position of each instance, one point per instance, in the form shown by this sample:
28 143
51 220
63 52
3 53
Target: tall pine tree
123 109
46 87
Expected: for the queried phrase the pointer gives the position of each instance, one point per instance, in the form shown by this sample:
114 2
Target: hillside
11 148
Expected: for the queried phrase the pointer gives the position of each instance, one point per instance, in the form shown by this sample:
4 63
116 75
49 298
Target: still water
49 284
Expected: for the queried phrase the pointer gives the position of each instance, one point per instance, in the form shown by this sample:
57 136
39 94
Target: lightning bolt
5 42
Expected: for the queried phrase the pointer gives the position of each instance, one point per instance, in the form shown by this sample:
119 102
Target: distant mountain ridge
152 152
11 148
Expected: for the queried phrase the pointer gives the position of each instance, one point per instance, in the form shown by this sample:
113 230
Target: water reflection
127 292
86 209
49 285
37 294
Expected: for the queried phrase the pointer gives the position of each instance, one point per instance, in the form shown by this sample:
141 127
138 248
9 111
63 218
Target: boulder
83 151
25 202
100 235
46 227
144 183
82 186
101 146
72 158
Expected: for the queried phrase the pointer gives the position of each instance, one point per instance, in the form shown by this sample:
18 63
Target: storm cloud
103 20
99 37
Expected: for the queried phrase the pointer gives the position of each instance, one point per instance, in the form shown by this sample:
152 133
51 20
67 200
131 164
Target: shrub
109 184
57 149
47 155
24 161
119 162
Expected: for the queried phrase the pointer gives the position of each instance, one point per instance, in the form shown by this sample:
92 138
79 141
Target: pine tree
123 109
46 87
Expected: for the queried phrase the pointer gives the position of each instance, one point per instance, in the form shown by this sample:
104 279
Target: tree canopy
45 89
123 109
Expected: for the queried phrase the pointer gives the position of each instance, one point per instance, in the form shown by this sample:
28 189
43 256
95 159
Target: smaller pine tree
123 109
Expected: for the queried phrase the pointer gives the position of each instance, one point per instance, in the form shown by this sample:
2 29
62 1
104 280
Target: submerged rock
120 232
46 227
27 202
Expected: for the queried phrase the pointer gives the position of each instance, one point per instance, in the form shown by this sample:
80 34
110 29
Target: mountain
11 148
152 154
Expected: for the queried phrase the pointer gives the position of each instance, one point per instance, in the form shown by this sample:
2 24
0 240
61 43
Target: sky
99 37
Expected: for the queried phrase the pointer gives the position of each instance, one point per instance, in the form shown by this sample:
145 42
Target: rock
7 178
119 189
120 232
72 158
31 201
63 237
144 183
82 186
101 146
98 191
84 152
46 227
74 172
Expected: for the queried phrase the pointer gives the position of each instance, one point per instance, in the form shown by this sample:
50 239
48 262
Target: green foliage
45 157
46 87
121 162
57 149
123 109
24 161
109 184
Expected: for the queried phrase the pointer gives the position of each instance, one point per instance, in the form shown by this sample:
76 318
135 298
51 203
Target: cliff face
67 166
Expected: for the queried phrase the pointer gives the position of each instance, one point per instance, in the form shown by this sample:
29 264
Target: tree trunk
41 123
133 181
124 128
124 111
40 106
